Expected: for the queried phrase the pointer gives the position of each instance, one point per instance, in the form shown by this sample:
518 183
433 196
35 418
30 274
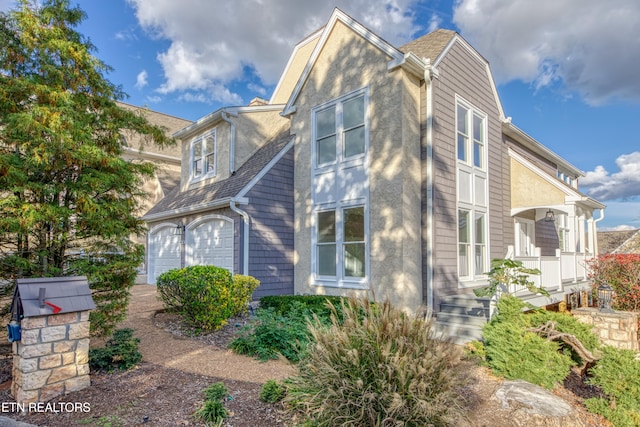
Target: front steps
461 318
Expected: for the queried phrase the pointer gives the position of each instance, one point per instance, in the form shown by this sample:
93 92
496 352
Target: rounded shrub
206 295
378 367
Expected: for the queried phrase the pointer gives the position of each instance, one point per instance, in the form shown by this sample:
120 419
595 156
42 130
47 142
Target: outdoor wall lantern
605 296
549 216
179 231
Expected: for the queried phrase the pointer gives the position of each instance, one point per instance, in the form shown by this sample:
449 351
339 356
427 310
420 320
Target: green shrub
617 373
513 351
216 391
272 392
212 411
119 353
205 295
378 367
281 326
274 334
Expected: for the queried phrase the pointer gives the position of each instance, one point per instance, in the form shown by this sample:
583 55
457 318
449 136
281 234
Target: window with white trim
341 243
563 228
340 183
471 147
525 237
203 155
340 130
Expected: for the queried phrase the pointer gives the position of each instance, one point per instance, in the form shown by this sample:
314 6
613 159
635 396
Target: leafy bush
216 391
281 326
515 352
275 334
378 367
119 353
206 295
272 392
617 373
622 273
212 411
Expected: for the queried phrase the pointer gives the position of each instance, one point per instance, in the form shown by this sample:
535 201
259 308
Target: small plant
379 366
216 391
212 411
272 392
206 295
505 275
120 353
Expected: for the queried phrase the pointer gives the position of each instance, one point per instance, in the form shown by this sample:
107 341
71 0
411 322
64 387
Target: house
394 172
166 159
619 242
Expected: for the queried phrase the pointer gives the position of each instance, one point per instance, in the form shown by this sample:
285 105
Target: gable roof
397 58
619 242
220 193
430 45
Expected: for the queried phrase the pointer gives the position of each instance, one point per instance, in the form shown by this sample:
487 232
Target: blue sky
566 70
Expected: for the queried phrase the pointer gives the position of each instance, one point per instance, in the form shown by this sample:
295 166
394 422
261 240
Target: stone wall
52 357
618 329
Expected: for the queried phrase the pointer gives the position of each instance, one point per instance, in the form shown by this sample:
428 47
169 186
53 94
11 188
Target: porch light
179 231
605 296
549 216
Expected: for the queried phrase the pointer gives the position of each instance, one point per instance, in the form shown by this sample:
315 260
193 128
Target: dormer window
203 155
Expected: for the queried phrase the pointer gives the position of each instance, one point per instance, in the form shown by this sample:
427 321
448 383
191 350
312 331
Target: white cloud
624 184
622 227
141 80
213 44
589 45
257 89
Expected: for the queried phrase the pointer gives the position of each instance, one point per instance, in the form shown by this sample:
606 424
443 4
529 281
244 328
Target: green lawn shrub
513 351
120 353
212 412
206 295
281 328
272 392
617 373
378 367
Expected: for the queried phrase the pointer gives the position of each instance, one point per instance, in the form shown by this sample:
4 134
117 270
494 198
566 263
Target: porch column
581 235
591 235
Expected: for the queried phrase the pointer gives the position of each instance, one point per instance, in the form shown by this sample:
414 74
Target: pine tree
64 188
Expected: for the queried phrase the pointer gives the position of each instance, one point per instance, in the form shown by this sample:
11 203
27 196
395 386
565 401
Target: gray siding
544 164
271 234
462 74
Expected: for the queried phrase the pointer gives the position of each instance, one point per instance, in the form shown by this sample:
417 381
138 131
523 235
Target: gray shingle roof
430 45
226 188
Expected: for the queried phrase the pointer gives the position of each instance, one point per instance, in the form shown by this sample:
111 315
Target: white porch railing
556 272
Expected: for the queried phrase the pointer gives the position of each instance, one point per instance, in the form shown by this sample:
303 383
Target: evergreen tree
64 187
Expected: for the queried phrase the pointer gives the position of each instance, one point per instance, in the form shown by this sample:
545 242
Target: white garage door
164 252
211 243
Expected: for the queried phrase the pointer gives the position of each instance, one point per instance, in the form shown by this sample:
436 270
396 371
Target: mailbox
45 296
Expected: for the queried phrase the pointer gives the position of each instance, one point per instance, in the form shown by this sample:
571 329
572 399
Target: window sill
473 282
202 178
340 284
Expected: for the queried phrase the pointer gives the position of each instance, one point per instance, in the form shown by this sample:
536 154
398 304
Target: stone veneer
52 358
618 329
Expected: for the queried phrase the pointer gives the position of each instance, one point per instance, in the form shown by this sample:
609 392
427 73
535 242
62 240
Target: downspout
596 250
232 142
245 236
429 73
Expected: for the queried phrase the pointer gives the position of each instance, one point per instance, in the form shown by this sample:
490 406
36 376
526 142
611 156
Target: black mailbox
48 295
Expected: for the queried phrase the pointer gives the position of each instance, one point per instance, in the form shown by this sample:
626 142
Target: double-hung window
471 136
341 244
203 155
340 131
340 191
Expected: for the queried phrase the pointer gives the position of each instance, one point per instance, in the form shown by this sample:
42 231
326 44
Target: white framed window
203 155
564 242
339 130
471 149
341 256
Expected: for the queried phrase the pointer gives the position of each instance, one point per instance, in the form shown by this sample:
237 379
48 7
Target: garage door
211 243
164 251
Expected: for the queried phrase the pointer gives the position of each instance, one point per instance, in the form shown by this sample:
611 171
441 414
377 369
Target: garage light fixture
179 231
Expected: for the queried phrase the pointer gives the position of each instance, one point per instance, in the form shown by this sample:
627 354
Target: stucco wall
529 189
347 63
296 65
253 130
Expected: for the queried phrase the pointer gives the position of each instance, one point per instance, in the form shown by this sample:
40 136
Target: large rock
531 405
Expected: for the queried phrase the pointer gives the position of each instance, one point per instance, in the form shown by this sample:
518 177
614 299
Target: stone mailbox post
51 345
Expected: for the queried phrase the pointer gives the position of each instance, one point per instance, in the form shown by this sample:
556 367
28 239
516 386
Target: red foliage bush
622 273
